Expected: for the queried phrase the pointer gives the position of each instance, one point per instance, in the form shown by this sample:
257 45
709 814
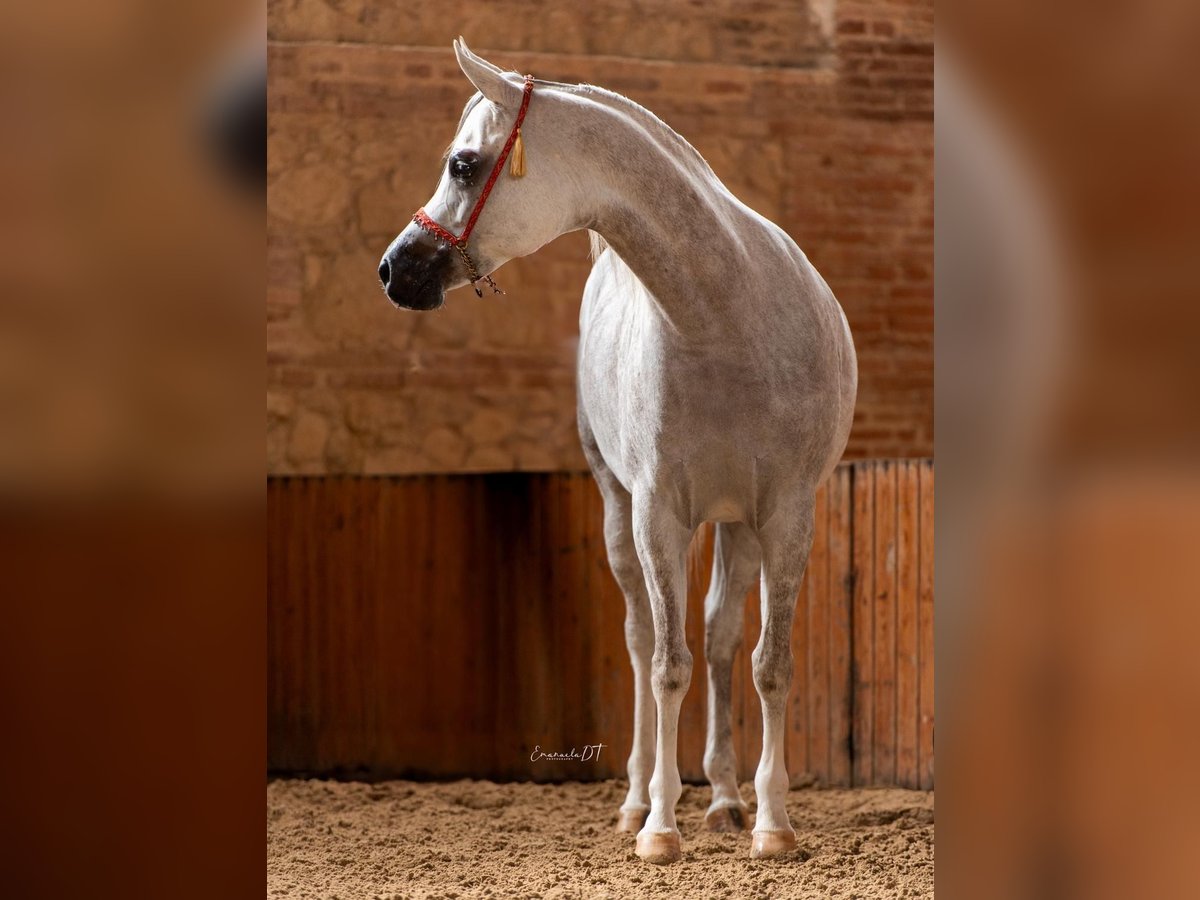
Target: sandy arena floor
464 839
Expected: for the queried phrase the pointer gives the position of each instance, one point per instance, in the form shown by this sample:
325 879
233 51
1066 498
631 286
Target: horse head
500 196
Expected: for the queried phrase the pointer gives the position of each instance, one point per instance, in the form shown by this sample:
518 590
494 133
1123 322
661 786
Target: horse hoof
726 819
772 843
659 847
631 820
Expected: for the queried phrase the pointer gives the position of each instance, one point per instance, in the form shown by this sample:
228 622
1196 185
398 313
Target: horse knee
772 671
671 672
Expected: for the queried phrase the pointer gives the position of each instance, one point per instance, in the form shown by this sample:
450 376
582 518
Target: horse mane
664 132
668 135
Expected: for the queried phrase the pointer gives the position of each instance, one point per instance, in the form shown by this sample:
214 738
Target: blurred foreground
1068 450
131 378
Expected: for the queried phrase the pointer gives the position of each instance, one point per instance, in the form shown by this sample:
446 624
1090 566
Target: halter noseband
426 222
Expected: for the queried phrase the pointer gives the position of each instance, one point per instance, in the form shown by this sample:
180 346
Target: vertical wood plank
278 720
841 599
885 623
537 682
586 593
613 671
864 624
448 618
589 709
907 636
570 660
502 602
925 627
318 630
389 636
488 658
817 579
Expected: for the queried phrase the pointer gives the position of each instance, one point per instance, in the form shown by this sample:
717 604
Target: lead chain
473 273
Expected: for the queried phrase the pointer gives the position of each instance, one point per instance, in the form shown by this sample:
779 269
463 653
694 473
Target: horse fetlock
631 820
666 791
727 818
771 783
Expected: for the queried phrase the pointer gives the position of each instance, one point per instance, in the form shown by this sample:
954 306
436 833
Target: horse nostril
385 273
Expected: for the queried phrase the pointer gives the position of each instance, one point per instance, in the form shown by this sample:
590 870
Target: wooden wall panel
446 626
841 601
815 605
884 649
907 706
925 627
862 702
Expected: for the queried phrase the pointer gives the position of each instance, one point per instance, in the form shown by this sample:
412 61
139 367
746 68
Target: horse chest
669 425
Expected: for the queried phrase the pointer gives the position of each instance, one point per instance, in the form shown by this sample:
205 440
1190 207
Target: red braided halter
426 222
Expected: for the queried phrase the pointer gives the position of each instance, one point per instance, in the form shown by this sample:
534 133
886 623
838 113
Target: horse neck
672 222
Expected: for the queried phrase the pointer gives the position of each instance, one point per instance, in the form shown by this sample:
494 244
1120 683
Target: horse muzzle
414 272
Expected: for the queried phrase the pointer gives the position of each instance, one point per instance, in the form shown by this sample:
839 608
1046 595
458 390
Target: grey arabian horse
717 381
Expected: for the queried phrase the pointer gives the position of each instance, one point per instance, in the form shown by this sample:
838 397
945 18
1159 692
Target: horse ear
502 88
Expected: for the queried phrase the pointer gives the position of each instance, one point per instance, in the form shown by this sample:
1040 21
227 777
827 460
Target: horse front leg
662 542
785 548
639 640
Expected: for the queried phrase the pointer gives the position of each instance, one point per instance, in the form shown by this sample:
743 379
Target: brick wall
818 114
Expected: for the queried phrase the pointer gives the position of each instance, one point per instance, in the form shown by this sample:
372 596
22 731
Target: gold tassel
516 161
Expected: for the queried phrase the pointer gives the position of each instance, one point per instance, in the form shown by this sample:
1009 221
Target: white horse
717 381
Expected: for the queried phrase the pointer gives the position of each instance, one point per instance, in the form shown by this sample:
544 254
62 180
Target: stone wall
818 114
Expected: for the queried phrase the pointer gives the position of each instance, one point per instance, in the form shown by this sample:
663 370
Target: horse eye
461 168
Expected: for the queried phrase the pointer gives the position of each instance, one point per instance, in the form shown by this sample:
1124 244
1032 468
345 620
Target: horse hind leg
736 561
